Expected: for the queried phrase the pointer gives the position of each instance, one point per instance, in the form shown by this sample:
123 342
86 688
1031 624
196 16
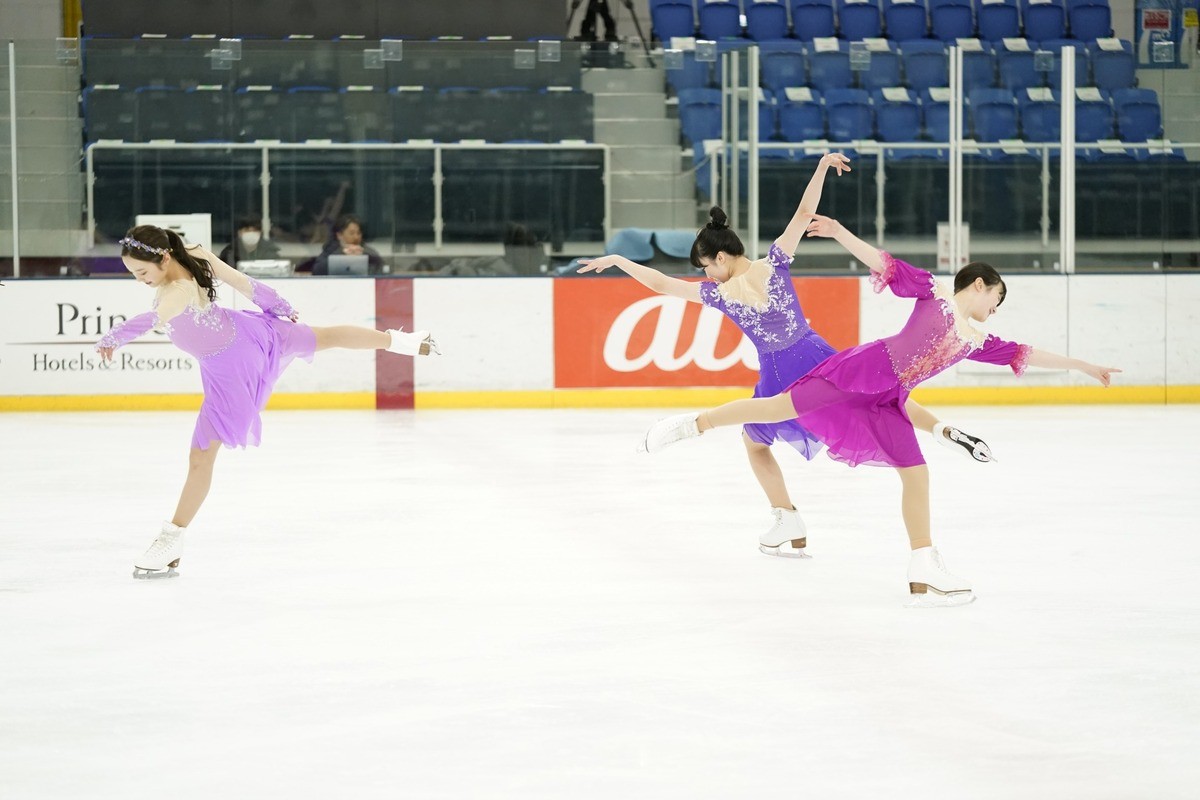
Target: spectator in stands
248 243
347 241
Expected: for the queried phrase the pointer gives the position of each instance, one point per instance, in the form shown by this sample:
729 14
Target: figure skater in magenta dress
241 356
856 402
760 298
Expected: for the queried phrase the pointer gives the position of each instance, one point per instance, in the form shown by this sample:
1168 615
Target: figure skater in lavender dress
241 355
856 402
760 298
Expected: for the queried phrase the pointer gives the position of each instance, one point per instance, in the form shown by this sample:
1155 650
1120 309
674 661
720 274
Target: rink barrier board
606 398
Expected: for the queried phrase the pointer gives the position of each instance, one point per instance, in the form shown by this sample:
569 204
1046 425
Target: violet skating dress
241 355
854 402
787 347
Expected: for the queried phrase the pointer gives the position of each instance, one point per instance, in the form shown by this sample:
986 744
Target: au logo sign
613 332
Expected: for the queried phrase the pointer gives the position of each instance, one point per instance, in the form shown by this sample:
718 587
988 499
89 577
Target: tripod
600 8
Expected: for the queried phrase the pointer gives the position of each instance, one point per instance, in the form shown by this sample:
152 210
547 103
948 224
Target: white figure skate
931 586
668 431
163 556
787 537
965 443
417 343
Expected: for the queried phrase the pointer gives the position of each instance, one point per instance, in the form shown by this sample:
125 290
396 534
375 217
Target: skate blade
935 600
781 551
140 574
430 347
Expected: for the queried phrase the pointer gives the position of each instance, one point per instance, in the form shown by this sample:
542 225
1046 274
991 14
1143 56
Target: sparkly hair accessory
129 241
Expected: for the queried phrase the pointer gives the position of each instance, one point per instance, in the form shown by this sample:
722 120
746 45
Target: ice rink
513 604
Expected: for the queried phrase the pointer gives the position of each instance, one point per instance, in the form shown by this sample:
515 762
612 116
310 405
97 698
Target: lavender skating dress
241 355
787 347
855 401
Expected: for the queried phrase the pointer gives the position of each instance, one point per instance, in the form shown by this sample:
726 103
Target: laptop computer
348 265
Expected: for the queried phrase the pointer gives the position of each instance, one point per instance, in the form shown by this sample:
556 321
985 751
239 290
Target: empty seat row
319 113
920 64
901 115
853 20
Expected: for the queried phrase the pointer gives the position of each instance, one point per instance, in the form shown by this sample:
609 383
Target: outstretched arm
790 238
652 279
1041 358
223 272
832 229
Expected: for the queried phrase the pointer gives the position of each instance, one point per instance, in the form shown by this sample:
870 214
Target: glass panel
6 237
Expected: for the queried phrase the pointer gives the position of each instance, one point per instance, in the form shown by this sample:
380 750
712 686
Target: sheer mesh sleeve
270 300
710 295
125 332
1004 353
902 278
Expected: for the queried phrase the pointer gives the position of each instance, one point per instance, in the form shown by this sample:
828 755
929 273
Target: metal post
608 193
880 219
89 157
1066 166
956 161
752 162
438 223
723 188
735 139
264 180
12 150
1045 195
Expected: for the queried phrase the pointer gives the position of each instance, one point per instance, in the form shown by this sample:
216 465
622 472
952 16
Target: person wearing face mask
248 244
347 241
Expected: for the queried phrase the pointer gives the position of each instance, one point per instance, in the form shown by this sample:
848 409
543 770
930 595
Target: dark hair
715 237
345 221
249 221
148 243
978 269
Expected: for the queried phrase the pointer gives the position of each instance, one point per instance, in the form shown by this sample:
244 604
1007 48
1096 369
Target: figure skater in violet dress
760 298
241 356
855 402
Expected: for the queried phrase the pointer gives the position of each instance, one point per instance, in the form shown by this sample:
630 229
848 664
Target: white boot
417 343
787 537
160 560
668 431
964 443
927 574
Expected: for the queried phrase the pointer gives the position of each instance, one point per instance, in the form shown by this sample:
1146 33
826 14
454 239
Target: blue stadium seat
905 20
830 69
812 19
951 21
783 64
1091 21
569 112
1113 69
859 19
158 110
801 115
1082 72
1044 21
883 69
1093 118
766 20
1139 116
1041 115
700 114
935 117
1160 154
993 114
109 112
204 115
412 114
897 116
260 113
672 19
692 75
998 19
924 64
1016 68
849 114
979 67
720 20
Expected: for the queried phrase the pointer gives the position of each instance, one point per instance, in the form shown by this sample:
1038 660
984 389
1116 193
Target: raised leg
351 337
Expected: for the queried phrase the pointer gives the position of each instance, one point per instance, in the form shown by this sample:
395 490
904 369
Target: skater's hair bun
715 237
153 244
979 269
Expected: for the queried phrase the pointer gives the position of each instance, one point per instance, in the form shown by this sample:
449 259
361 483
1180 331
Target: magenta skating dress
241 355
787 347
854 402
